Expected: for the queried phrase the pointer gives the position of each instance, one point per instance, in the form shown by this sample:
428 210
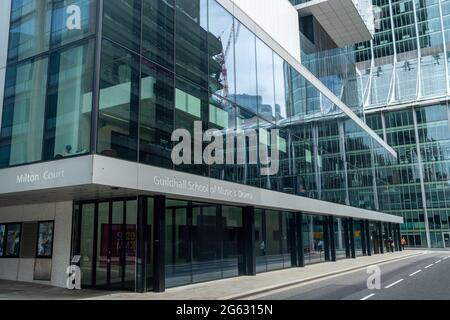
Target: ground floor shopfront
154 243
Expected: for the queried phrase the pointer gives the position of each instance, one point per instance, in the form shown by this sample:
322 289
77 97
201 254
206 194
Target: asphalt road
400 280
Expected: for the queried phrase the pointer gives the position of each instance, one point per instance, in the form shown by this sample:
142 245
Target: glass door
103 251
107 244
446 238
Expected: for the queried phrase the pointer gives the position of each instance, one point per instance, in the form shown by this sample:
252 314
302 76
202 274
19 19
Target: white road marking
445 258
414 273
393 284
430 265
438 261
368 297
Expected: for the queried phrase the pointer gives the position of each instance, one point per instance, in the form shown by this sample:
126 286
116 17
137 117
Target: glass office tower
402 80
104 84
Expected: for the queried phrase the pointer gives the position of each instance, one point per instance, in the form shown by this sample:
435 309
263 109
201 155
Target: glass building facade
402 80
74 92
116 78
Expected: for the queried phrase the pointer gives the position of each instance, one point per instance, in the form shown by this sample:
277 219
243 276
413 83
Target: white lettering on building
45 176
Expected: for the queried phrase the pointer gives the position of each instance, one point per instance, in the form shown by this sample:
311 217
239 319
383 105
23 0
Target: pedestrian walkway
233 288
236 288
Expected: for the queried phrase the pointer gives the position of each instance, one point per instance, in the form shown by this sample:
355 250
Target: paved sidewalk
240 287
233 288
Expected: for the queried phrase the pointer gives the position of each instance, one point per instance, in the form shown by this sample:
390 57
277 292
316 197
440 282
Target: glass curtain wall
357 232
340 238
203 242
313 239
48 96
168 65
272 240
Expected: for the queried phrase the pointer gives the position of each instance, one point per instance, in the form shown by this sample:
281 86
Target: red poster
123 246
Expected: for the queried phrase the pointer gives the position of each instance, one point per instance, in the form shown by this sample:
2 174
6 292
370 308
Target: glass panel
232 261
23 113
73 20
2 239
119 96
191 51
150 234
158 31
274 244
12 240
319 254
69 103
117 244
308 244
30 28
222 117
266 94
282 110
45 239
122 22
87 243
260 241
130 244
246 93
286 234
313 239
221 51
178 266
339 238
191 108
357 230
206 262
102 244
156 116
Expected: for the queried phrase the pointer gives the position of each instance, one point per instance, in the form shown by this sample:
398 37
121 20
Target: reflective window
221 51
69 103
222 117
156 115
246 93
2 239
206 253
86 244
272 239
119 98
282 100
23 113
232 260
178 254
30 28
72 20
191 41
266 94
158 31
191 109
122 22
340 238
313 239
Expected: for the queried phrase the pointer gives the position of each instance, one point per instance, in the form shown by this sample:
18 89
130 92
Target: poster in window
45 239
13 240
2 239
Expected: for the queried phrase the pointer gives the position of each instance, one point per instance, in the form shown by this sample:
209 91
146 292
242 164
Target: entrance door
446 237
113 243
